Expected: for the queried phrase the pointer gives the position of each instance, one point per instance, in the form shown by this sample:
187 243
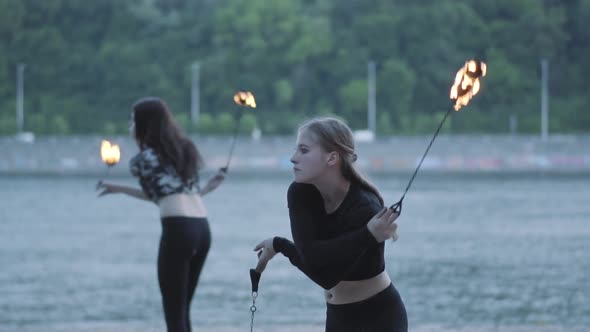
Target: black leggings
184 246
383 312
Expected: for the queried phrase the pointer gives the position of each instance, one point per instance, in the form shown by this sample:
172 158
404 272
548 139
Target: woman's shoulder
146 157
297 189
302 193
365 200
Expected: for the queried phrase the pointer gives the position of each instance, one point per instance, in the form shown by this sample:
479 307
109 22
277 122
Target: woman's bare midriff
354 291
182 205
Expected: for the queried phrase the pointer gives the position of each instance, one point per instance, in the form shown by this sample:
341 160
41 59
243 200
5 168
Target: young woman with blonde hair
339 227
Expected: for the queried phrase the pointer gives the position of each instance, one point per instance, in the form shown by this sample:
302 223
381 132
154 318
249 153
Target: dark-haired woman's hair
155 128
333 134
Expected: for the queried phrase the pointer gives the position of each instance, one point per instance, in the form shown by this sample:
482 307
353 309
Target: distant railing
80 155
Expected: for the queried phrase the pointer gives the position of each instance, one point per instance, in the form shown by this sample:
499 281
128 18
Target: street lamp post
195 93
20 115
371 102
544 99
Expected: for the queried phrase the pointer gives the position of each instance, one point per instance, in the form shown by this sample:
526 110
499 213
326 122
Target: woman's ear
333 158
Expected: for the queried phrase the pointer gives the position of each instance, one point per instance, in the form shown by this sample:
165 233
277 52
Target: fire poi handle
466 85
99 182
397 207
255 279
110 155
242 99
233 143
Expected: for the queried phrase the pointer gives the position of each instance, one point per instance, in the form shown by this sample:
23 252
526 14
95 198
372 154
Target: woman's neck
333 191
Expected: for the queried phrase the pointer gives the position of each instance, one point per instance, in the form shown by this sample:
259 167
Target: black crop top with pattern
157 179
332 247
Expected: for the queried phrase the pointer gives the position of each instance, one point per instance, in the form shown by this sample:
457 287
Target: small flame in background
110 153
245 98
467 82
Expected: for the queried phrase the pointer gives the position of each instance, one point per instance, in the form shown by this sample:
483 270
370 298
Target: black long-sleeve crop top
332 247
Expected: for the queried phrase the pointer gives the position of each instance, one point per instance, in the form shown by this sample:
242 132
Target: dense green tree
87 61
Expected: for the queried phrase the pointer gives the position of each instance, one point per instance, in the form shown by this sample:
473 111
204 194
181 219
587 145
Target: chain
253 310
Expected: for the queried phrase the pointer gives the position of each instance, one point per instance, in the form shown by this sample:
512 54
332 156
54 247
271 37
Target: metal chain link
253 310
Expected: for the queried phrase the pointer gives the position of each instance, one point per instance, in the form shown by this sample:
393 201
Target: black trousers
383 312
184 245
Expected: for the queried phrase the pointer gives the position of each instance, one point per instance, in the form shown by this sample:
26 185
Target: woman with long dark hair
167 166
339 227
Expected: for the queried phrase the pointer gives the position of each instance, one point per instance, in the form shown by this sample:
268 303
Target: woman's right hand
107 188
382 226
265 253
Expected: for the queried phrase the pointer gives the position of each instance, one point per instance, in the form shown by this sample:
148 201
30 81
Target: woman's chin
298 178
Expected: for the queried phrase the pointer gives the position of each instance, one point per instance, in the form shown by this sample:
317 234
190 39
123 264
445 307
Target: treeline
87 61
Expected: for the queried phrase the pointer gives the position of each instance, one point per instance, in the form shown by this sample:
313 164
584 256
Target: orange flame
109 153
467 82
245 98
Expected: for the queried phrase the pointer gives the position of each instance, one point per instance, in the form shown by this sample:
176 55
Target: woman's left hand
213 182
382 226
107 188
217 179
265 253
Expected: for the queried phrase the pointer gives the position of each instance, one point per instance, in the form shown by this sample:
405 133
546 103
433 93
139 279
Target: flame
467 82
245 98
109 153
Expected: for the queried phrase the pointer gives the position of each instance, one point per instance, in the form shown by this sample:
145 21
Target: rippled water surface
484 252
